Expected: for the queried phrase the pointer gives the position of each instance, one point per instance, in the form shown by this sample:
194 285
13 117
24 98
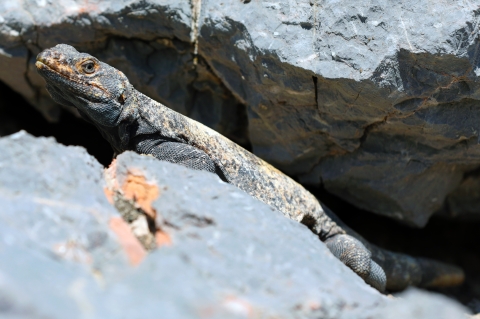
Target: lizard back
242 168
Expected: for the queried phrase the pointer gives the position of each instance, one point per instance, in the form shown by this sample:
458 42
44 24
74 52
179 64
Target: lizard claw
356 256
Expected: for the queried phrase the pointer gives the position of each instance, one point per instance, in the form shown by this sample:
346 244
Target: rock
55 243
464 200
64 251
225 242
377 102
414 303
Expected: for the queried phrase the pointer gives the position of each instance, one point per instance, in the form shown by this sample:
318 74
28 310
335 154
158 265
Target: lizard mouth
43 67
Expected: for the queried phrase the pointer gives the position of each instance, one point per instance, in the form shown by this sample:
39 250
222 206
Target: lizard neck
134 121
120 134
143 116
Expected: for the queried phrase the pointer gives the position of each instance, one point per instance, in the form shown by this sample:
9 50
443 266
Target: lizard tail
403 270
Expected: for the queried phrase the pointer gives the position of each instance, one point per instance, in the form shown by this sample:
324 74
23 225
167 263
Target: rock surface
64 251
55 244
420 305
378 102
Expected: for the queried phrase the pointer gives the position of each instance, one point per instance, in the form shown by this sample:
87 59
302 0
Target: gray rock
464 201
414 303
250 258
228 255
55 243
376 101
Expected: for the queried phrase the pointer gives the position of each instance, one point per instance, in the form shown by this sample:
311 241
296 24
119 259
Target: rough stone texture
464 200
377 101
63 251
55 246
250 258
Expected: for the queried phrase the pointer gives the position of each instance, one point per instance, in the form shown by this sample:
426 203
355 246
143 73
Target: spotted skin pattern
129 120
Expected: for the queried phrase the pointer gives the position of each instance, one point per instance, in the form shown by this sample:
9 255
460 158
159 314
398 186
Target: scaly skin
130 120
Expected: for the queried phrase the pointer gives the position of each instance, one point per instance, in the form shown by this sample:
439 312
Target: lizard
131 121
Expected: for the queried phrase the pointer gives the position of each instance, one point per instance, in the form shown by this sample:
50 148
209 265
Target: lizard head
82 81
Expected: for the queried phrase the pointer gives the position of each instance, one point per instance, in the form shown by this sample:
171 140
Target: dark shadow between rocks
16 114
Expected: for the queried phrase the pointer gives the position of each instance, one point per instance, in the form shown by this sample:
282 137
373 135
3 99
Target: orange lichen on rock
108 194
141 192
130 244
162 239
86 8
111 175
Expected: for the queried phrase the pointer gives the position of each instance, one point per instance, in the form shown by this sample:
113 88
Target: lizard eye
88 66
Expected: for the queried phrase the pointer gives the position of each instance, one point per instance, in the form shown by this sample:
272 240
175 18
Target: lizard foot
356 256
401 270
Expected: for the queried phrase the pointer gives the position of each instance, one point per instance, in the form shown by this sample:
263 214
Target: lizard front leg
175 152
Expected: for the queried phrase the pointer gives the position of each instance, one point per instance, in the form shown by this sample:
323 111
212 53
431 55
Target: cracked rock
65 252
377 102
